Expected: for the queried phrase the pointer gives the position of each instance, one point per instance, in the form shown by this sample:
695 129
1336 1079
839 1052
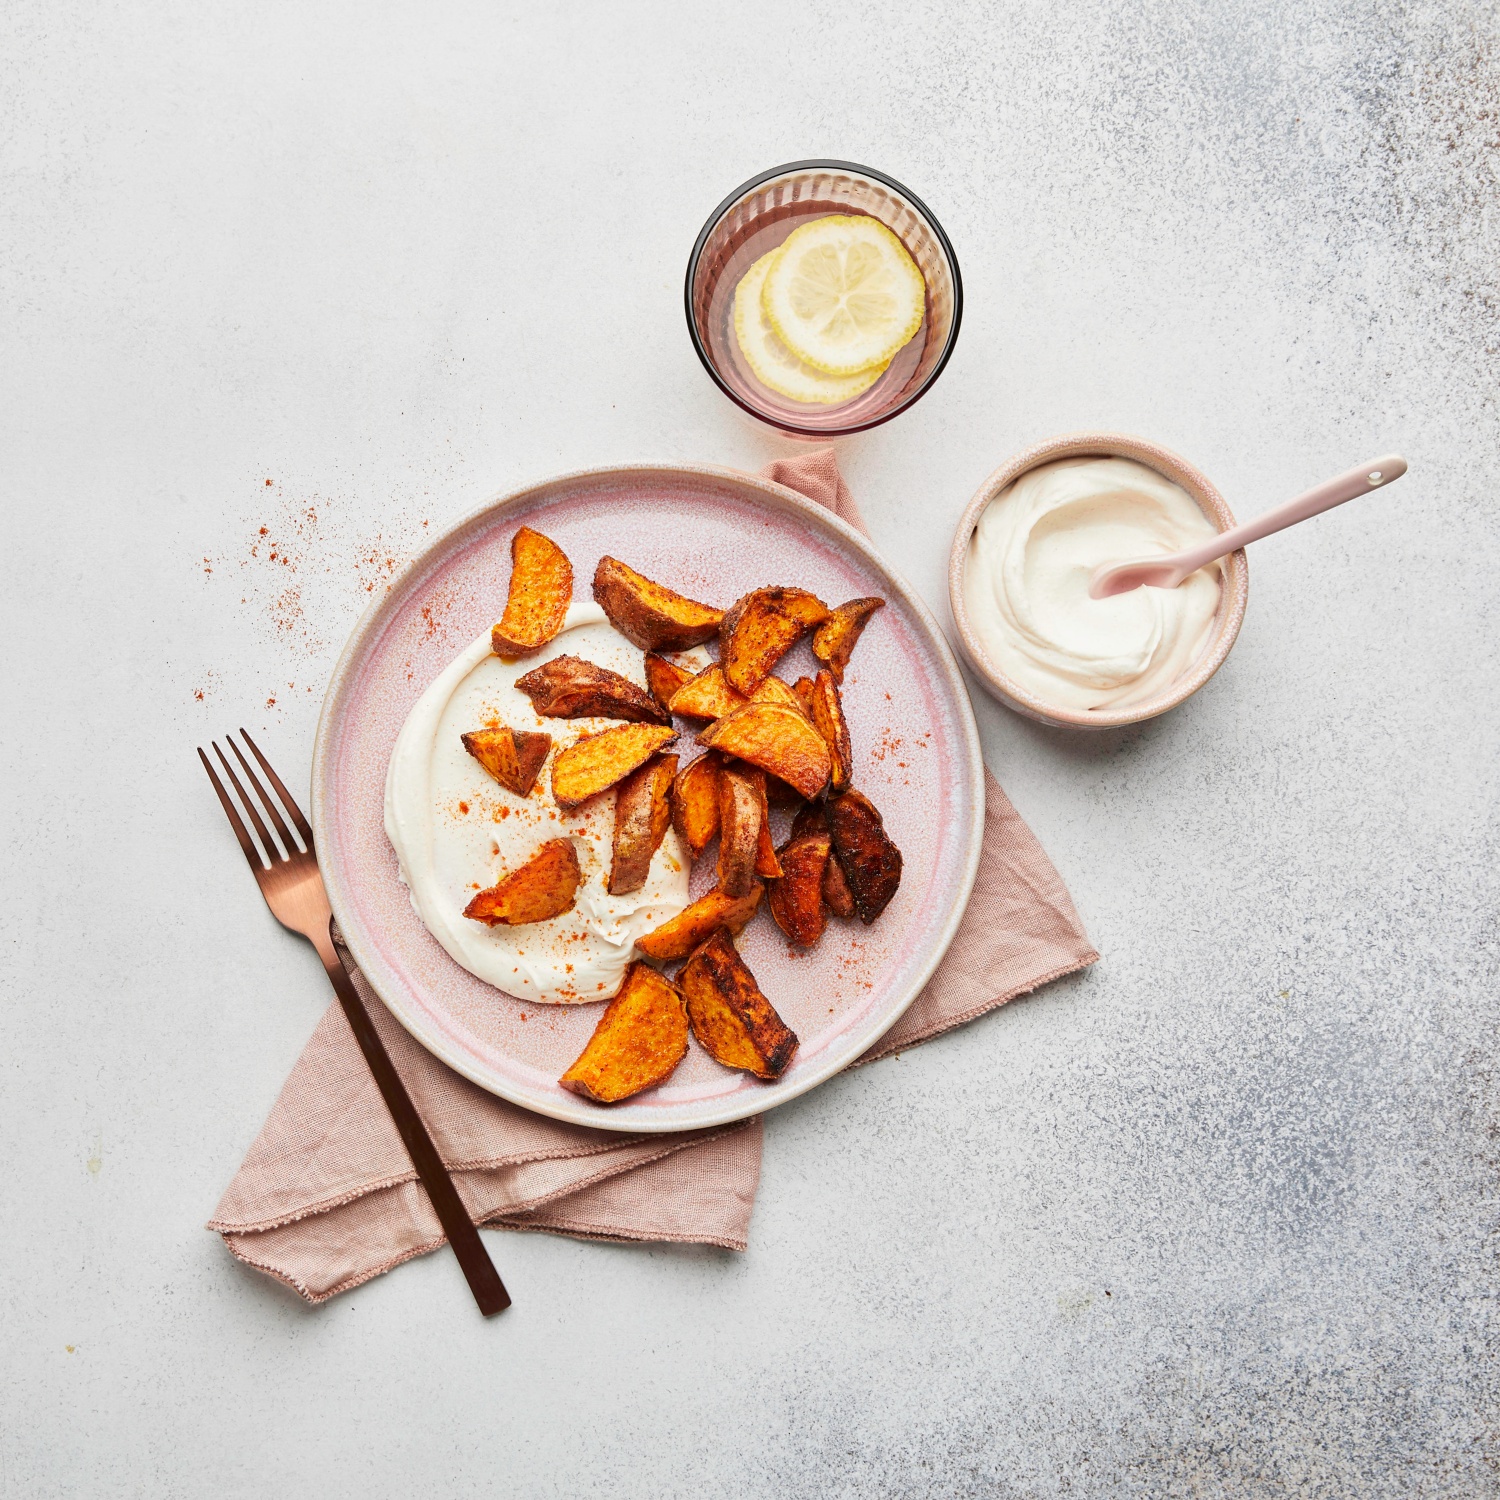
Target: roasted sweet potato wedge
837 896
542 888
834 641
678 938
828 715
803 688
664 678
761 628
541 588
777 739
642 816
734 1023
513 757
774 690
655 618
767 866
640 1039
779 794
568 687
598 761
695 802
870 862
739 828
796 899
707 696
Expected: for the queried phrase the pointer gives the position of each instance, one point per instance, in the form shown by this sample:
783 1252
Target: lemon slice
772 363
843 294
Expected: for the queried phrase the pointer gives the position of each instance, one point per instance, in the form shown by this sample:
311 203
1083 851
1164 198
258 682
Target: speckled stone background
281 283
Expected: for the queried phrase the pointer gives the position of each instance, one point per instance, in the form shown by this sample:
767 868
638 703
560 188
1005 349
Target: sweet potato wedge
653 617
541 588
734 1023
834 640
837 896
568 687
678 937
761 628
803 688
513 757
870 862
695 802
774 690
706 696
664 678
642 816
739 828
779 740
598 761
796 900
640 1039
542 888
767 866
828 715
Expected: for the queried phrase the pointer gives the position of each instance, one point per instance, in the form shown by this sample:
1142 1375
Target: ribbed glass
758 217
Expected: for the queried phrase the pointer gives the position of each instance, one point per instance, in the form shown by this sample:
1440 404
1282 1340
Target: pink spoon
1167 572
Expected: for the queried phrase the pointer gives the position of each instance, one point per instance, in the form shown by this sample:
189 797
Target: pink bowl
1236 575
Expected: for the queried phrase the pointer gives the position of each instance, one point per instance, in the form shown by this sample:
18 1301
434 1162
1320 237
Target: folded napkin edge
672 1145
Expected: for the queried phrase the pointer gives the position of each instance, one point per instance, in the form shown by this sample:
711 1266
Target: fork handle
479 1270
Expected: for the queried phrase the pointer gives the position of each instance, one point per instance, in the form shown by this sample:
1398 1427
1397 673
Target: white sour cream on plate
1026 583
456 830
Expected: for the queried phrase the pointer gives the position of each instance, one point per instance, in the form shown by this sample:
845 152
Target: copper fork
290 881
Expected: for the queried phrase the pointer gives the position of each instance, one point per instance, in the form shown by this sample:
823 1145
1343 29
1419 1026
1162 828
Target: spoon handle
1374 475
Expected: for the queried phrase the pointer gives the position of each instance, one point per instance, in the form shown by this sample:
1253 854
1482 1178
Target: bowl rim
1170 465
822 164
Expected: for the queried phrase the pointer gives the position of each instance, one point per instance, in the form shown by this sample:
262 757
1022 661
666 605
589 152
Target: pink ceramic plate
714 534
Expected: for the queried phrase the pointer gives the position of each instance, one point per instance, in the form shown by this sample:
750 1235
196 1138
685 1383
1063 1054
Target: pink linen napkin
327 1197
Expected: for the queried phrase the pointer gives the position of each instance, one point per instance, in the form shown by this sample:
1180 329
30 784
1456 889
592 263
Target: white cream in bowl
1026 584
456 830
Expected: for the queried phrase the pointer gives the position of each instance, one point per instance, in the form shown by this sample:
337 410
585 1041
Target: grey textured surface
1218 1218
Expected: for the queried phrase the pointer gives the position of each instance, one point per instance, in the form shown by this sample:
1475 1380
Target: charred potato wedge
541 588
514 757
640 1039
695 802
828 715
835 639
777 739
689 928
837 896
870 862
739 829
568 687
642 816
734 1023
653 617
663 679
598 761
706 696
761 628
542 888
796 900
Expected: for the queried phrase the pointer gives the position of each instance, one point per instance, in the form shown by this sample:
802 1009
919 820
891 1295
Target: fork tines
267 851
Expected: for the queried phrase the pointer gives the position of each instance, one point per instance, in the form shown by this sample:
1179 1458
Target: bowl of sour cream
1018 582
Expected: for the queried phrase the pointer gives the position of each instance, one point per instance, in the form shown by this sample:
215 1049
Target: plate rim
972 760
